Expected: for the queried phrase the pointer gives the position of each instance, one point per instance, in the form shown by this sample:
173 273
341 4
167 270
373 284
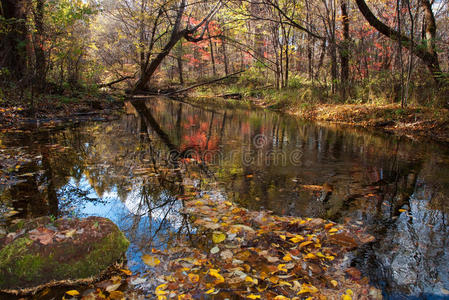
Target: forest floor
414 121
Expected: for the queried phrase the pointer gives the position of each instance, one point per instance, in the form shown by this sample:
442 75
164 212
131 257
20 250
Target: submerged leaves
256 255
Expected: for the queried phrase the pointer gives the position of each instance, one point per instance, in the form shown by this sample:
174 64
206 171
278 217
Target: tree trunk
180 65
428 56
225 57
344 51
40 61
214 70
13 42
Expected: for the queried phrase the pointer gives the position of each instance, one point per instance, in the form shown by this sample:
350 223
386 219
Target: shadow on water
135 171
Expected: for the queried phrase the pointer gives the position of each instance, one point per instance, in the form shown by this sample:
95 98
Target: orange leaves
255 255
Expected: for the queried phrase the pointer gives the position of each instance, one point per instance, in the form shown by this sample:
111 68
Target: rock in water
42 252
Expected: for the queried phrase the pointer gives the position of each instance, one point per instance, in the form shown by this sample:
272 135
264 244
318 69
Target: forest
224 149
315 51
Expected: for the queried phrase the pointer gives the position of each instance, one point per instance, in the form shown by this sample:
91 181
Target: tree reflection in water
135 171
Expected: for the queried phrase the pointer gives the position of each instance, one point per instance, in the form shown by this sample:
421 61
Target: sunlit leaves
257 255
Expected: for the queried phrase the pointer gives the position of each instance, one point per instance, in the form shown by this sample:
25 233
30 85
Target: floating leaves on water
258 255
151 261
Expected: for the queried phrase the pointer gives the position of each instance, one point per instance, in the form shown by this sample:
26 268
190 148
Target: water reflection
136 171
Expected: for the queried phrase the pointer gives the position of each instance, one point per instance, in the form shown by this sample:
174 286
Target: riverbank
414 121
60 108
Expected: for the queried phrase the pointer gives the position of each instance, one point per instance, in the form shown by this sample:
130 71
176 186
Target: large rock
45 252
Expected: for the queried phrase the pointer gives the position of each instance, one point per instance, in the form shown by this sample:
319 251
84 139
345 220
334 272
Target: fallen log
203 83
237 96
110 84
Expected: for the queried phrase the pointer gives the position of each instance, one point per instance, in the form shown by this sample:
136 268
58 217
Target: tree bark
40 61
344 50
13 41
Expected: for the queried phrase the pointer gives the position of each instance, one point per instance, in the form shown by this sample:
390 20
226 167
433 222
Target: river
133 170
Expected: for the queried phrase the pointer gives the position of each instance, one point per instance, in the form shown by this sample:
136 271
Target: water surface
136 169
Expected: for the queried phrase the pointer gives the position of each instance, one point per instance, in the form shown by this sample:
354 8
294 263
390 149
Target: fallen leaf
72 293
127 272
218 237
226 254
150 260
116 295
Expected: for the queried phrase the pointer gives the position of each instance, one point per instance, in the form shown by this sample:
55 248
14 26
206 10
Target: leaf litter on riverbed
258 255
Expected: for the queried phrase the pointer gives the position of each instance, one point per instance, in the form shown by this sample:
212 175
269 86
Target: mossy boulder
42 252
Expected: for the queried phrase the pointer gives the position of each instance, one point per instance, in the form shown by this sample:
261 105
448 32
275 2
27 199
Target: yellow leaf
215 273
150 260
281 267
307 288
116 295
72 293
310 256
218 237
329 225
283 237
280 297
402 210
346 297
253 296
287 257
194 277
160 290
303 244
249 279
333 230
282 283
210 291
334 283
349 292
297 239
127 272
274 279
319 254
